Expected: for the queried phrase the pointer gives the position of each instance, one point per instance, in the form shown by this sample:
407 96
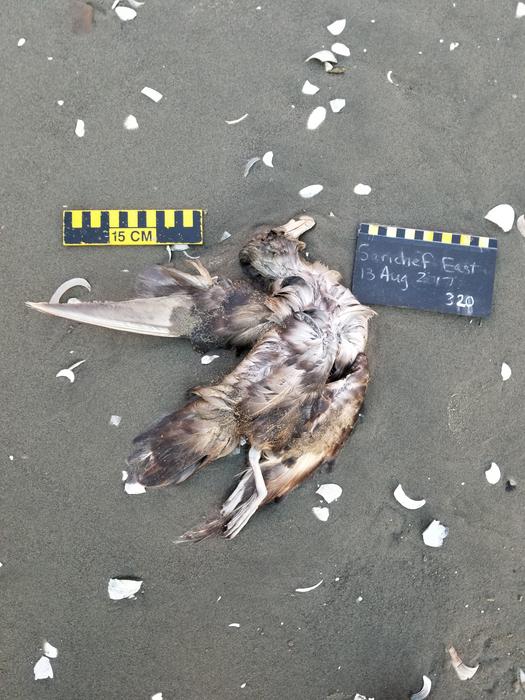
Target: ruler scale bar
132 226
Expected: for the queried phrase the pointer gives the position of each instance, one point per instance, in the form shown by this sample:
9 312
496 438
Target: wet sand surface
439 149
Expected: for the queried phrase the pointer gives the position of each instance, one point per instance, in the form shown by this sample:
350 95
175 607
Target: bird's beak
296 227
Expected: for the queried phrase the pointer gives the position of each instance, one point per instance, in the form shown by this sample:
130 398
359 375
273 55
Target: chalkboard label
433 270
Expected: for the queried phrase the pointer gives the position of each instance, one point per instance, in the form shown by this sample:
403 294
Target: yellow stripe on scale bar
133 226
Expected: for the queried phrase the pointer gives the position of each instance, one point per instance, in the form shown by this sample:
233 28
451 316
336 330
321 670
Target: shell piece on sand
49 650
335 28
135 3
453 45
125 14
520 10
330 492
463 671
249 165
425 690
208 359
236 121
316 118
337 105
362 189
520 223
154 95
21 41
68 373
323 56
234 624
157 696
493 473
390 79
502 215
340 49
321 513
435 533
267 159
43 669
406 501
309 88
134 489
80 128
225 236
120 588
66 286
309 588
506 371
115 420
124 475
310 191
130 122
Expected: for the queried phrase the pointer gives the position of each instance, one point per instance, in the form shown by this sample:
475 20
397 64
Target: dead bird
294 397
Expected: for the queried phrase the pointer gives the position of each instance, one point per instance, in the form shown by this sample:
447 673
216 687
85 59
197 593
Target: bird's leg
248 509
254 456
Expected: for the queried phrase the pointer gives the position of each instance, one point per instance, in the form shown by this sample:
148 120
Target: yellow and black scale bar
133 226
416 234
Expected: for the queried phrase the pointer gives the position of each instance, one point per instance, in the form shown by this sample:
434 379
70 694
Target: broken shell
21 41
225 236
124 475
309 88
520 10
362 189
249 165
463 671
330 492
234 624
425 690
390 79
134 488
66 286
130 122
135 3
68 373
502 215
310 588
80 128
120 588
493 473
337 27
49 650
236 121
157 696
435 533
337 105
405 501
125 14
453 45
316 118
323 56
341 49
115 420
154 95
43 669
207 359
321 514
267 159
310 191
520 223
506 371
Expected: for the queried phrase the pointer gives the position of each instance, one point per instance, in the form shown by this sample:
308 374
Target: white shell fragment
49 650
323 56
520 224
337 105
502 215
435 533
234 624
267 159
236 121
337 27
362 189
309 88
60 103
157 696
135 3
134 489
130 122
493 473
225 236
506 371
154 95
463 671
330 492
520 11
125 14
341 49
120 588
124 475
249 165
310 588
80 128
115 420
21 41
42 669
390 79
310 191
208 359
68 372
453 45
316 118
66 286
406 501
425 690
321 514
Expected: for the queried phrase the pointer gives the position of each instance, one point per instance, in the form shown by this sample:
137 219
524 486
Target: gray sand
439 150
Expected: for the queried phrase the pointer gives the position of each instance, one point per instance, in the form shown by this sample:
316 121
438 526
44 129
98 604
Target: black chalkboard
434 270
